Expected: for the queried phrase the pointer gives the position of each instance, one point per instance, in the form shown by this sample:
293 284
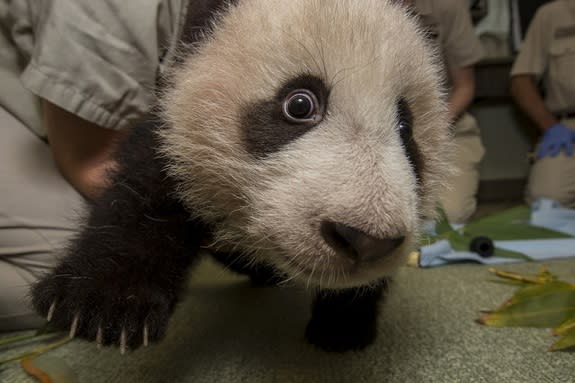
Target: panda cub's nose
356 244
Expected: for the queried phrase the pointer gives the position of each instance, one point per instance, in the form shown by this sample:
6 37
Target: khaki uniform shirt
448 22
548 52
98 59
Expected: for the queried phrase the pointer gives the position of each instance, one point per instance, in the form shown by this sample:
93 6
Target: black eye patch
298 106
405 129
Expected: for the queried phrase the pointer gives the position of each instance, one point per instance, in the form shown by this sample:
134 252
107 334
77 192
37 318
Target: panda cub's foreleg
260 274
344 320
123 273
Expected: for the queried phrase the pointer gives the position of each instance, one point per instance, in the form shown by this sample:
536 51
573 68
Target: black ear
200 14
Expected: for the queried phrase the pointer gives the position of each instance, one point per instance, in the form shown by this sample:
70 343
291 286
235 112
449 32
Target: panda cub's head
311 134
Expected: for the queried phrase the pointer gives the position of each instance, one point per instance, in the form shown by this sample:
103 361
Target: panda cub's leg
122 275
344 320
260 274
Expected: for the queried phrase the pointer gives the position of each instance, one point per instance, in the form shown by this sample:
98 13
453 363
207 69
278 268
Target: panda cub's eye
405 121
301 106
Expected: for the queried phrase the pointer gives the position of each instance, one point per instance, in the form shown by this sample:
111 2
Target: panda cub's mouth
345 256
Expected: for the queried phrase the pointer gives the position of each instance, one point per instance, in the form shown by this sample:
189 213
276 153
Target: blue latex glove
556 137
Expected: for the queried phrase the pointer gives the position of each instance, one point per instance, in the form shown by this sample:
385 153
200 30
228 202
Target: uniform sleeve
99 59
461 45
532 58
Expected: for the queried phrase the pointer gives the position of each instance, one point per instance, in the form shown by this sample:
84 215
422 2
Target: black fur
405 119
129 262
198 18
266 129
260 274
345 320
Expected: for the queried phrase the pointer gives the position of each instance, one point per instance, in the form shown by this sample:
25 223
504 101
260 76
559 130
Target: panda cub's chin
337 259
342 275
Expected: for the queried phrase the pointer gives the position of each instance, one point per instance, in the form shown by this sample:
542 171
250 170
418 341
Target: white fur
351 168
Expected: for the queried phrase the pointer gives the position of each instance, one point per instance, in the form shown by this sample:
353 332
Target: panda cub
300 141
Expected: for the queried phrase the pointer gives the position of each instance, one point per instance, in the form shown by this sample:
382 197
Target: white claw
123 342
146 341
74 326
51 311
99 337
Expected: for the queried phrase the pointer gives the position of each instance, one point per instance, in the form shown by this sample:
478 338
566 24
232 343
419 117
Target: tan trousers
37 207
36 203
554 177
460 201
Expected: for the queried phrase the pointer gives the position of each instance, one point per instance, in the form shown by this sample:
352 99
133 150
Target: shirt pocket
562 62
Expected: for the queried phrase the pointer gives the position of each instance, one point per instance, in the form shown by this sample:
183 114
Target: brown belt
564 116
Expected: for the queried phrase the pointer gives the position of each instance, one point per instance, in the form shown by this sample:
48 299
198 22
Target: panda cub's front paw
341 334
110 311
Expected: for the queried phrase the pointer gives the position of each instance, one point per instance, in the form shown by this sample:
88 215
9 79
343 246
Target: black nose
355 244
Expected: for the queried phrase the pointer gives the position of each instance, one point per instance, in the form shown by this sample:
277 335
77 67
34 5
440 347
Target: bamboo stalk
37 351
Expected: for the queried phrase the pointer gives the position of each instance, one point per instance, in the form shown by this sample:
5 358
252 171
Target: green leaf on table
511 224
461 242
442 225
504 253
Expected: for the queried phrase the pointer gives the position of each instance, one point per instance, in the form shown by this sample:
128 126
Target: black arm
121 276
344 320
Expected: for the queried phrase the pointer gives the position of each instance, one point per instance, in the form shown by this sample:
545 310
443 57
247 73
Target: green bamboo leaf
37 351
504 253
17 338
544 276
543 301
428 239
568 325
567 341
512 224
542 290
461 242
442 225
547 305
507 283
508 231
457 241
49 369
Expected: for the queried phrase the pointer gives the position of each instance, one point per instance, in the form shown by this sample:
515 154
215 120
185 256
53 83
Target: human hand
555 138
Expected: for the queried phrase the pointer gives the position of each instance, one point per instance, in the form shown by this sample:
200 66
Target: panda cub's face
312 135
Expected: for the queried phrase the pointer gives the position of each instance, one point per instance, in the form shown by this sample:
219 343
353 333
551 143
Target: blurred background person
547 55
448 24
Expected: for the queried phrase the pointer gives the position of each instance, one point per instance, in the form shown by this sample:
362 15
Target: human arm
82 150
526 95
462 91
106 79
462 50
555 135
